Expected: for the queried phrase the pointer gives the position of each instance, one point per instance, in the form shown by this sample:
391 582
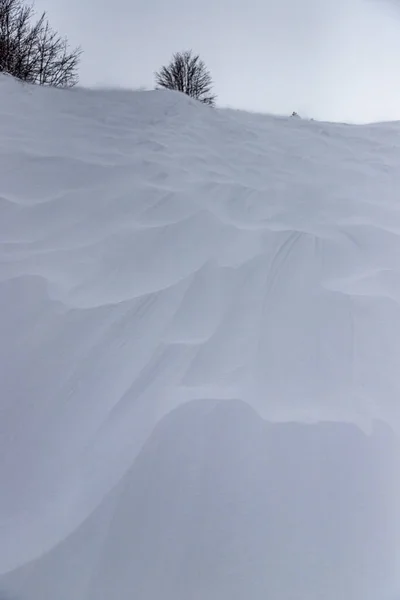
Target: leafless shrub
31 51
187 73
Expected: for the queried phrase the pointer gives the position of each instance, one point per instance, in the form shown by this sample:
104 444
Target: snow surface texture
199 351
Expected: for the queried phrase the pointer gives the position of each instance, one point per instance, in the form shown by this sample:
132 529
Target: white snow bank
155 251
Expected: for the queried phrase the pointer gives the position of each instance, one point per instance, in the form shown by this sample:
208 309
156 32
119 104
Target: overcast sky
327 59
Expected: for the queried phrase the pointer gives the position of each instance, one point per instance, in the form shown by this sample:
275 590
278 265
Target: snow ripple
177 255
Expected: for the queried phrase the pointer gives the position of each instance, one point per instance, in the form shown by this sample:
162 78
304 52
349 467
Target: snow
199 351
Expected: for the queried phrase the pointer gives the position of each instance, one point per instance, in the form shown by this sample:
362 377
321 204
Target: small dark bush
187 73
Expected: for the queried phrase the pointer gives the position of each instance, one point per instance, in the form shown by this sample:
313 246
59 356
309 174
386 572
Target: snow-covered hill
199 351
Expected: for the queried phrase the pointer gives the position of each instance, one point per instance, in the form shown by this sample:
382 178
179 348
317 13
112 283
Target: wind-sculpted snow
156 252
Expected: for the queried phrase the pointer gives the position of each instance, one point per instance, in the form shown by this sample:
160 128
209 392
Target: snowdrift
199 351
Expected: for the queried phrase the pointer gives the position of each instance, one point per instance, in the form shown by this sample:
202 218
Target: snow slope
199 351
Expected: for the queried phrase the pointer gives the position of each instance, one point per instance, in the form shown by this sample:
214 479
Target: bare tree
187 73
30 50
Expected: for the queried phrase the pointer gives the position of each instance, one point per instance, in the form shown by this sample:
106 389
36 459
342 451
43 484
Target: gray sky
327 59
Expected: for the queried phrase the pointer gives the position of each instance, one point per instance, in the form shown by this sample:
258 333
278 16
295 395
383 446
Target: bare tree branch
187 73
30 50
